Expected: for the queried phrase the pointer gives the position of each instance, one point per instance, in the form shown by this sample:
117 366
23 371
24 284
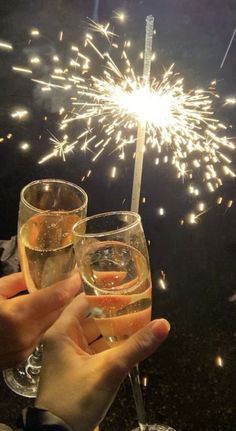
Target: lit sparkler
108 105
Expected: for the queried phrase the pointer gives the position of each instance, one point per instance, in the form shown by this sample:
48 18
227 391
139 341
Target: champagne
118 287
46 249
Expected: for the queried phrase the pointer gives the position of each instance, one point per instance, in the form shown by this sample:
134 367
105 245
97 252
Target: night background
192 378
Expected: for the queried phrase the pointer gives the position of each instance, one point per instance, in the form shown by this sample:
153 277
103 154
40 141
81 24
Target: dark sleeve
34 419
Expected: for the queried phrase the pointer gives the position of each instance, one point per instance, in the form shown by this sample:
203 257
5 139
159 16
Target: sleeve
34 419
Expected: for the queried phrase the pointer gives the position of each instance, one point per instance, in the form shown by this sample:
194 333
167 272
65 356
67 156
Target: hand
79 379
24 319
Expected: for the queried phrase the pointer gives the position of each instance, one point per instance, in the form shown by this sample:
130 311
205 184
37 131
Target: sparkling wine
118 287
46 249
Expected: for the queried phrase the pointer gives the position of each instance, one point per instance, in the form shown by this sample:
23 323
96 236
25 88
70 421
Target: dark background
186 387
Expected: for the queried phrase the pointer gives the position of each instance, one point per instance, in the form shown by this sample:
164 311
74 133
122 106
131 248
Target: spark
219 361
35 60
102 29
230 101
161 211
120 16
25 146
6 46
21 69
19 114
113 172
35 32
107 100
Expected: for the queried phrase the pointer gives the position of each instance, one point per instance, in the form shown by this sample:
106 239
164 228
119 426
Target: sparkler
106 105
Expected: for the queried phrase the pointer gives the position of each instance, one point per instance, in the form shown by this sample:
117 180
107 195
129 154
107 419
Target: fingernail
160 327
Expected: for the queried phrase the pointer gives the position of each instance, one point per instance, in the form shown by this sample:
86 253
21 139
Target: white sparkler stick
138 166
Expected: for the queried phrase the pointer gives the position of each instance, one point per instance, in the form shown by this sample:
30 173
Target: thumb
143 343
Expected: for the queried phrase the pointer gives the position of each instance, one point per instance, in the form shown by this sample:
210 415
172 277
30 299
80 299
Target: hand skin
79 379
25 318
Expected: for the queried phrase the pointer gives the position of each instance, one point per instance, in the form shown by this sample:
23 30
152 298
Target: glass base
21 381
155 427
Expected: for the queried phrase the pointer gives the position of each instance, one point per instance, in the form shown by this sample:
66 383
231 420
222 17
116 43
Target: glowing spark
108 104
6 46
24 146
35 60
229 204
113 172
35 32
230 101
21 69
119 15
20 114
201 206
161 211
102 29
192 218
219 361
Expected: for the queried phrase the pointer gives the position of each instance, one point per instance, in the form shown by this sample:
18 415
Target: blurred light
161 284
121 16
24 146
113 172
19 114
201 206
5 45
230 101
192 218
143 200
55 58
35 32
35 60
219 361
161 211
219 200
21 69
229 204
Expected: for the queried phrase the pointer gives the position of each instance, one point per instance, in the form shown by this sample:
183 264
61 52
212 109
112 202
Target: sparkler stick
138 166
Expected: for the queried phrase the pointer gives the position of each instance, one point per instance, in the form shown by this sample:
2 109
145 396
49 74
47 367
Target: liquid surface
46 249
117 283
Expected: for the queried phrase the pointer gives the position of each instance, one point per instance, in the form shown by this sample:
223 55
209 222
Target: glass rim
100 215
53 180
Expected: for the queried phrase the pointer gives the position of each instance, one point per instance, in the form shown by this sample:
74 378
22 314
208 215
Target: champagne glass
48 210
112 257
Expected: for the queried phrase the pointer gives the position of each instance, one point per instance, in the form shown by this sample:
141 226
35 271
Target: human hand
79 379
24 319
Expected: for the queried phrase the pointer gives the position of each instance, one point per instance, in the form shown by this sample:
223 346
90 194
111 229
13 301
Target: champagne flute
113 261
48 210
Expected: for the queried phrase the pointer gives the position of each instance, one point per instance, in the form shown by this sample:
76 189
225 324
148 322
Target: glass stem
138 398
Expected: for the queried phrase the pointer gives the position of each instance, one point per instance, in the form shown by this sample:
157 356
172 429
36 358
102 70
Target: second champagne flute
113 261
48 210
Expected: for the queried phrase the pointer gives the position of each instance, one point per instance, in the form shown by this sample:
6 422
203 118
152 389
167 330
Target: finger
100 345
90 329
12 284
76 312
142 344
40 309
